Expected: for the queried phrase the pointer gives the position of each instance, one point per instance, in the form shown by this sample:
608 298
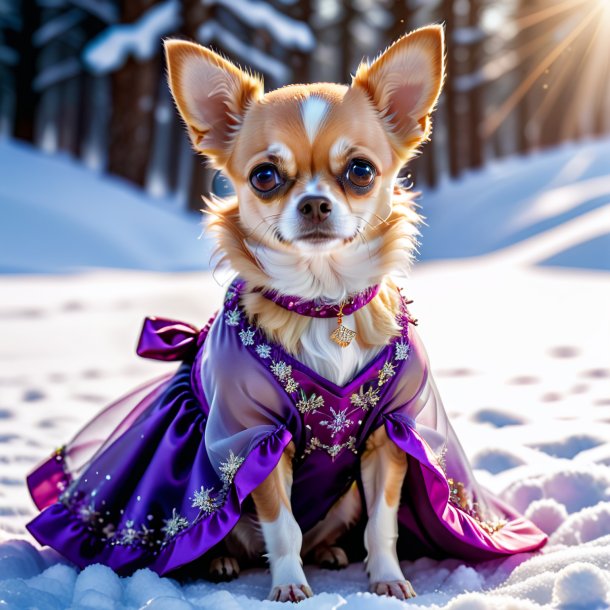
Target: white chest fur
335 363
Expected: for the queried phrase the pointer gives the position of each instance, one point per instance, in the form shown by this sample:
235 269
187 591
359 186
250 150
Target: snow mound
547 514
496 460
588 524
86 220
581 585
97 581
143 583
58 581
480 602
576 486
550 208
19 559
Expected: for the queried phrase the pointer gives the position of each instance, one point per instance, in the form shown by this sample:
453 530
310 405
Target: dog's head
314 166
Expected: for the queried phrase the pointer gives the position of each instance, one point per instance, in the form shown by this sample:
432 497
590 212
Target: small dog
307 399
318 214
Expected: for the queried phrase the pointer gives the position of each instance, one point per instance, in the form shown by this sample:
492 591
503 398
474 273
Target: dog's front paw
223 569
401 589
290 593
331 557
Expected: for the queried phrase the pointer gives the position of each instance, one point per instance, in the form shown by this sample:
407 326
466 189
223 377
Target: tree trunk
194 13
26 98
134 88
300 60
475 95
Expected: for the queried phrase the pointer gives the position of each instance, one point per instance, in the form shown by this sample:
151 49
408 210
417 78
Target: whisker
265 219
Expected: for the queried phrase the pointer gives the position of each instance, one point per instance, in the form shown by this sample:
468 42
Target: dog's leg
282 533
383 468
223 568
322 537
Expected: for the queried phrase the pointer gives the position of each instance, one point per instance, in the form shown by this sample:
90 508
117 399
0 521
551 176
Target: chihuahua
319 214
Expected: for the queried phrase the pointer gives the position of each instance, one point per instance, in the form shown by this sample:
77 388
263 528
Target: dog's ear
404 83
211 94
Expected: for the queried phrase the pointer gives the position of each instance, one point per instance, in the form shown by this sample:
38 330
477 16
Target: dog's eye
360 174
265 178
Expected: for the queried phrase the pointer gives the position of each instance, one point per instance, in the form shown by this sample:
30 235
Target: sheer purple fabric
160 476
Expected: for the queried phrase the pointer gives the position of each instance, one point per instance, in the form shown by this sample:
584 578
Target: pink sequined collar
318 309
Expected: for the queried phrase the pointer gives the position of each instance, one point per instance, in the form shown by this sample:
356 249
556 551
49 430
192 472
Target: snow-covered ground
57 216
519 347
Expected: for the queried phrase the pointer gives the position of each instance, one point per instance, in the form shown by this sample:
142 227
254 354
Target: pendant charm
342 335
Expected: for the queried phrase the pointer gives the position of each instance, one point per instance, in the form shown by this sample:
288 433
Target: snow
523 201
211 31
85 220
581 586
547 514
56 73
55 27
105 10
290 33
519 348
142 39
110 49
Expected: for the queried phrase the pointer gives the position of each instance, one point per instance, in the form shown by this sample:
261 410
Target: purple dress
159 477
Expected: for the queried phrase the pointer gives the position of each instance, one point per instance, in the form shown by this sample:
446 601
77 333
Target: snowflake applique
387 371
441 457
290 385
128 535
145 535
281 370
401 350
88 513
174 525
365 400
229 467
263 350
203 500
338 422
109 531
247 336
334 450
232 317
307 405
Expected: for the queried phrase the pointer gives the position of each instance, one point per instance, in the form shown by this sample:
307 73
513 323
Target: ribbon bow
169 340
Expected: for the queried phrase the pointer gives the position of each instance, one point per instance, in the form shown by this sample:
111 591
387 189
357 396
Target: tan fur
233 94
371 78
383 468
275 489
389 477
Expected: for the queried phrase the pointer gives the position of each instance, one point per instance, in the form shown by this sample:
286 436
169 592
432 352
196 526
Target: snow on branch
290 33
105 11
211 30
142 39
491 71
56 26
56 73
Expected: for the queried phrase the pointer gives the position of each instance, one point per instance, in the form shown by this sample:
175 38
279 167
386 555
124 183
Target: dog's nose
315 208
